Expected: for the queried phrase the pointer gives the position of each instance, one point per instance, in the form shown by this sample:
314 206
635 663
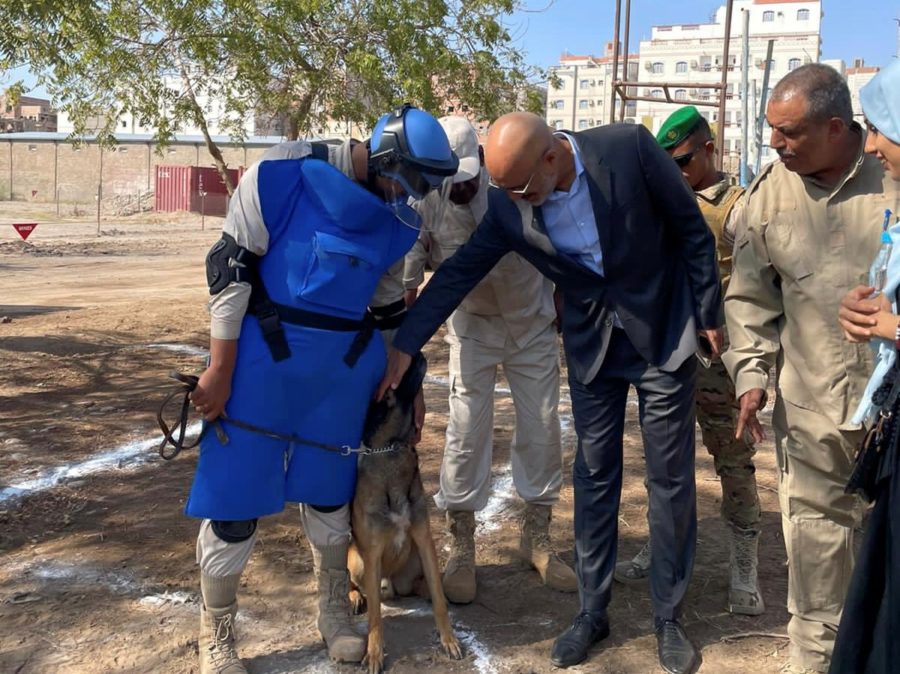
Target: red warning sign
25 228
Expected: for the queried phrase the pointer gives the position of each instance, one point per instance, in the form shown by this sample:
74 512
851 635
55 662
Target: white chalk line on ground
125 583
130 456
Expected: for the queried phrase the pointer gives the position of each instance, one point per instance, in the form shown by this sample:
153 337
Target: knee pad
326 509
234 531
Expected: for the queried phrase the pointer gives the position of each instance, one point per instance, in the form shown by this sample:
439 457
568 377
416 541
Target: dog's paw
357 602
451 646
374 659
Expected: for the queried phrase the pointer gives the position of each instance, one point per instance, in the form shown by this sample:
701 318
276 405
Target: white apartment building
583 95
690 54
858 76
126 123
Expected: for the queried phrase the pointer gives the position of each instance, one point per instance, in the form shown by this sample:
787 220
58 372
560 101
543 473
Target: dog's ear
412 380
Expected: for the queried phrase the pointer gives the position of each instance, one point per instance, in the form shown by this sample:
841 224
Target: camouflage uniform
715 400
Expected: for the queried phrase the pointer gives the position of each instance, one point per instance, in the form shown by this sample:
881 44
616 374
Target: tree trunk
200 121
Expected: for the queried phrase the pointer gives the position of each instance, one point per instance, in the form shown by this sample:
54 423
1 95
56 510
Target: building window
584 84
793 64
802 15
657 68
582 104
768 16
558 124
657 93
582 124
681 67
559 104
680 95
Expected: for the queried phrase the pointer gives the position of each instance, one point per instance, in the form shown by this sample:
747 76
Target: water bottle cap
885 237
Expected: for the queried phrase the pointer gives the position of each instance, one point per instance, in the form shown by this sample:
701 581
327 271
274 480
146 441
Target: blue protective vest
330 241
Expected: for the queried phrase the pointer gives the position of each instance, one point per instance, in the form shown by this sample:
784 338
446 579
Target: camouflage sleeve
753 308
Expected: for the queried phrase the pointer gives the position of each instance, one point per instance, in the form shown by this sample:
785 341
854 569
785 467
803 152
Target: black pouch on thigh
877 441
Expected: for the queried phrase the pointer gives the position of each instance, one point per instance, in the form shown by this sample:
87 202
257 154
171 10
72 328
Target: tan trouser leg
819 521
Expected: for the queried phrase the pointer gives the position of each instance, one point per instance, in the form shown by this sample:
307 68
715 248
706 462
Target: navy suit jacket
659 260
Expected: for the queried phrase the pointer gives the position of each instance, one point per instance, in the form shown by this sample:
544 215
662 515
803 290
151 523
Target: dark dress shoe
677 654
572 646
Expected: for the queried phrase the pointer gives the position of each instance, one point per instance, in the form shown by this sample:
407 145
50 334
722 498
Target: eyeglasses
524 189
684 159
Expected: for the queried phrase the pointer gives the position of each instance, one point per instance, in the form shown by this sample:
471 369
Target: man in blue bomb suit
295 350
607 216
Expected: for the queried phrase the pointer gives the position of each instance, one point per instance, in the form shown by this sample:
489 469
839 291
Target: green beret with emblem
678 126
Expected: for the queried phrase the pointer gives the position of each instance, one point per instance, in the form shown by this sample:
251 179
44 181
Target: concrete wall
36 170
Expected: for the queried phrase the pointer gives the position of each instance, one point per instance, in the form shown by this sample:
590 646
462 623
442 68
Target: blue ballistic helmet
409 145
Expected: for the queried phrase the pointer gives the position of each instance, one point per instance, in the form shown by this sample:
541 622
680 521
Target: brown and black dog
392 545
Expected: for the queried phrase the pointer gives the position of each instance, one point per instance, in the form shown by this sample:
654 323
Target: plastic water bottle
878 270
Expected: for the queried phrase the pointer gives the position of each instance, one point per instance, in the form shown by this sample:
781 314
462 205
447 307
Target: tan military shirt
800 247
244 222
514 298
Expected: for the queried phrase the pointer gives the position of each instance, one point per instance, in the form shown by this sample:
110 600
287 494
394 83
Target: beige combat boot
335 625
536 548
744 596
217 637
459 575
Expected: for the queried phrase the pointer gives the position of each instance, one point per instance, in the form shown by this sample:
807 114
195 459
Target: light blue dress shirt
569 218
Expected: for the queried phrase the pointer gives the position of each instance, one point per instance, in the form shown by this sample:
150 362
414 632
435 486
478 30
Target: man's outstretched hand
397 365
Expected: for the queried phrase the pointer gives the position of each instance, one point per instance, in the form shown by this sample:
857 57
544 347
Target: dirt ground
97 569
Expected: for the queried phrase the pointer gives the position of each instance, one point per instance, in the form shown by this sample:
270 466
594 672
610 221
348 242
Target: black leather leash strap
174 436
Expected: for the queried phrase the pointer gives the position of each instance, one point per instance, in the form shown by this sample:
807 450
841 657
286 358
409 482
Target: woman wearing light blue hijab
867 640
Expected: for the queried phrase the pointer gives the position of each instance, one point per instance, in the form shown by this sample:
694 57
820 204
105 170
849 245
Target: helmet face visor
415 183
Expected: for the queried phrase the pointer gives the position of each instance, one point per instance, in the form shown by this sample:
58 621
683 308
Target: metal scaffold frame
620 86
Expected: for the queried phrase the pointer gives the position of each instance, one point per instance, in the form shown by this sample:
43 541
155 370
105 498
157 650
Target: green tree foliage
304 61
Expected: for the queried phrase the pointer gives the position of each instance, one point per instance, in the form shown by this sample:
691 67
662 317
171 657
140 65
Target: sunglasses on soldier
684 159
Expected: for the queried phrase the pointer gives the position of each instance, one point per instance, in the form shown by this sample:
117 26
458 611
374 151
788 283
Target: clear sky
850 28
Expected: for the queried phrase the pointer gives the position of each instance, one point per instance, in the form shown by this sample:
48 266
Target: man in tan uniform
686 136
809 230
508 320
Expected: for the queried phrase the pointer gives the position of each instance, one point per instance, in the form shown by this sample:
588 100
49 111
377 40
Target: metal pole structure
574 95
763 98
56 174
625 59
723 93
615 63
745 99
100 191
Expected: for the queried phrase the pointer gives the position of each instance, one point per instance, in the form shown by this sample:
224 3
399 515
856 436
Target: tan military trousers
717 417
819 522
536 456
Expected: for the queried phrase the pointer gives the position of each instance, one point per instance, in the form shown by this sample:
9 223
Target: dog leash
174 435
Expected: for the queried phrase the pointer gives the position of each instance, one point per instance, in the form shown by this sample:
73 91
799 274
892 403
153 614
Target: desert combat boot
536 549
744 597
335 624
217 637
459 575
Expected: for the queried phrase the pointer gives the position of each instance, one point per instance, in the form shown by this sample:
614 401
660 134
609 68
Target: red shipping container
198 189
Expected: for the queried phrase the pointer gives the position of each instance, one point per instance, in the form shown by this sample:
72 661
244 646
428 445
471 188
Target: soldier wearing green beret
686 136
